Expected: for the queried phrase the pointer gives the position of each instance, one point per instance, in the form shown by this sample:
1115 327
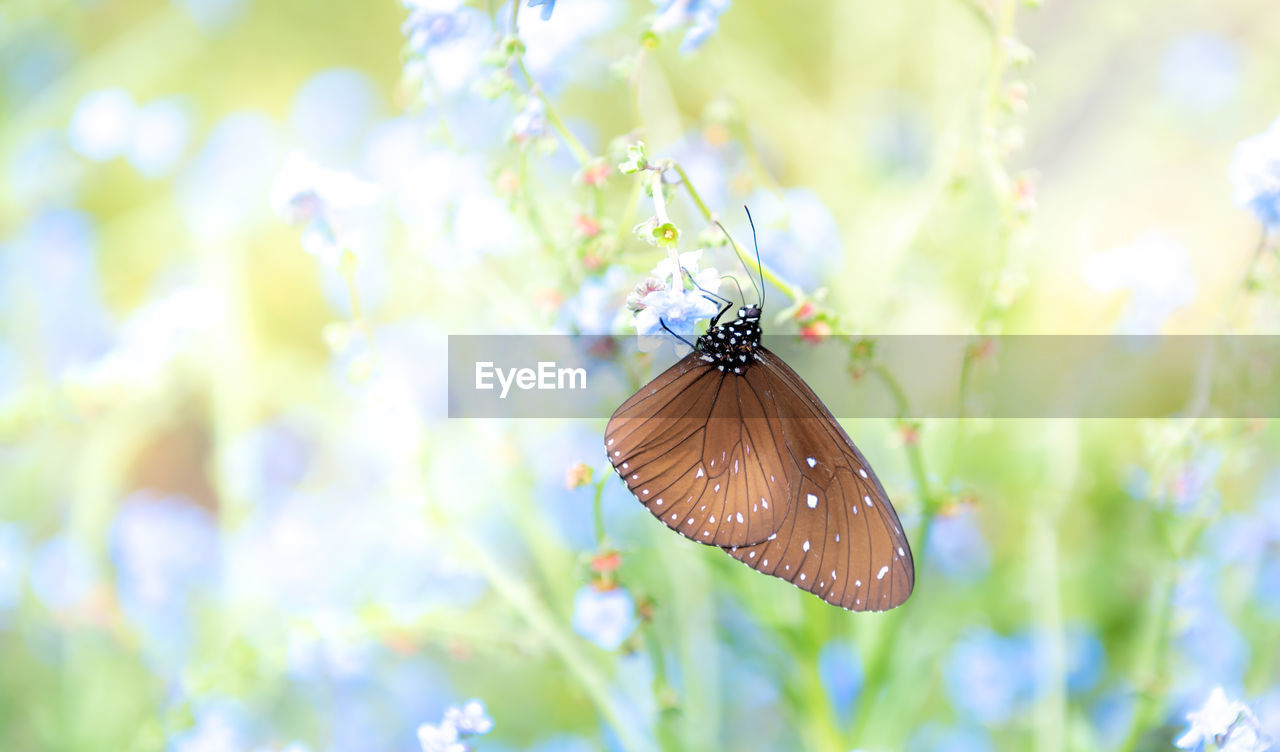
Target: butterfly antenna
747 269
756 243
677 336
736 284
713 297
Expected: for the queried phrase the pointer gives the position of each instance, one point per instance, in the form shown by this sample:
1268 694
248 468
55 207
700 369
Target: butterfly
730 447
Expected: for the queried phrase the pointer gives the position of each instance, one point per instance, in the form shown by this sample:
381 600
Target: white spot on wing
880 575
805 547
813 501
862 472
812 462
740 521
700 473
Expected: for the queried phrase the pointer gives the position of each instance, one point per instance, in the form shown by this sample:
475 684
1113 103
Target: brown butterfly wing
842 540
703 454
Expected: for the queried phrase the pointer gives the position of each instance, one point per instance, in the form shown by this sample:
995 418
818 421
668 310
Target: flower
102 126
577 476
656 303
161 130
531 122
442 738
1200 71
469 719
1255 175
433 22
1156 272
702 17
594 310
548 6
815 331
986 676
323 202
957 548
606 618
1227 724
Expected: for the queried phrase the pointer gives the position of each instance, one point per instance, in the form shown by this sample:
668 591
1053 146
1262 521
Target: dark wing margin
842 540
704 454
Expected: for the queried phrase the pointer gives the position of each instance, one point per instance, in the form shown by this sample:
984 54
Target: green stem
668 738
537 615
792 291
598 508
580 152
915 457
1150 670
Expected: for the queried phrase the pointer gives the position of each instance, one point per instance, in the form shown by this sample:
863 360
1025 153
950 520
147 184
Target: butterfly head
731 347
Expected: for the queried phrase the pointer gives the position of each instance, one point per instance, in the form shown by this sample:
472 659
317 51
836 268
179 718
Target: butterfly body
729 447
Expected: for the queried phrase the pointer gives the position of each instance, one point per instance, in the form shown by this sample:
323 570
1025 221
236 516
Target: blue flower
1211 648
433 22
448 41
663 299
956 547
798 235
606 617
548 6
1112 715
840 670
334 110
597 306
49 270
212 16
62 574
987 675
934 737
1255 175
165 553
701 16
1200 71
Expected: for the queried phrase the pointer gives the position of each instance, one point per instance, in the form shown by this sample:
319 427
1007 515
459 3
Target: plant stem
792 291
598 507
536 614
580 152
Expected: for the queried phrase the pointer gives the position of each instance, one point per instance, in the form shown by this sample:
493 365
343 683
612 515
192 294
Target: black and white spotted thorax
732 347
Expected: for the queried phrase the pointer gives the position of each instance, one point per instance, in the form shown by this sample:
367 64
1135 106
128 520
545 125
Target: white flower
469 719
324 202
442 738
678 308
102 125
606 618
1255 175
1227 724
1156 272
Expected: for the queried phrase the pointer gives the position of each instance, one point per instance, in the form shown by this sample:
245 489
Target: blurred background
234 235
